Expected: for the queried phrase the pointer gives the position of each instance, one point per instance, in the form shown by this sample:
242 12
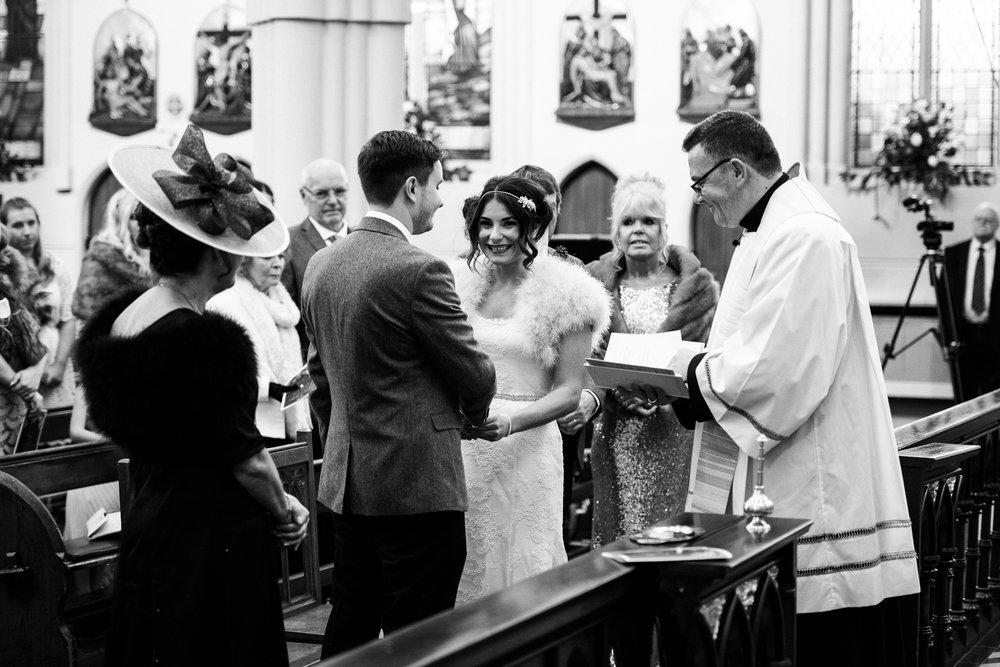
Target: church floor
303 655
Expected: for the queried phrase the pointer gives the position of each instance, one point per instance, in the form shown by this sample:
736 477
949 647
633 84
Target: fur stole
692 305
555 299
169 392
105 272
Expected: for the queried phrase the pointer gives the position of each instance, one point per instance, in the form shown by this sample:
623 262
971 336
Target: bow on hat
218 191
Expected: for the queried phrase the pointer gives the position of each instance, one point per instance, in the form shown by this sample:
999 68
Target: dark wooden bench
45 624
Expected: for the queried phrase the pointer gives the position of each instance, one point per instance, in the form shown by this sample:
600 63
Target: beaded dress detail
641 464
514 522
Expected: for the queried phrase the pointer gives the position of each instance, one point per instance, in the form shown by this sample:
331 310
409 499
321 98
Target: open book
104 524
641 359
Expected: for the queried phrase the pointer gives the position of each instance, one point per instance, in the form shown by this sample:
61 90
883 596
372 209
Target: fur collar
692 304
180 387
555 299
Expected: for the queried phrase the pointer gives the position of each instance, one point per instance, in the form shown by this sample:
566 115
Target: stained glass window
959 57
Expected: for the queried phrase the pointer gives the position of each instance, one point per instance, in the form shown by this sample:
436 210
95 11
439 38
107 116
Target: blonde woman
113 263
641 455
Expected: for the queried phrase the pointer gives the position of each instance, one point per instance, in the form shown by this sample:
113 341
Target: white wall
527 67
75 152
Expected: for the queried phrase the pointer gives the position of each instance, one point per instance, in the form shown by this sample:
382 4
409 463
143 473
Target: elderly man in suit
324 192
396 367
974 282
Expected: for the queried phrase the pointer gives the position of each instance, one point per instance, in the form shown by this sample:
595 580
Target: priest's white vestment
792 356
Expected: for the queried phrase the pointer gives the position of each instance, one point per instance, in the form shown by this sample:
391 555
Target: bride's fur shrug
692 305
555 299
164 394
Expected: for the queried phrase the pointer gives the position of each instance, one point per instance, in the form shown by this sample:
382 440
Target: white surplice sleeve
769 376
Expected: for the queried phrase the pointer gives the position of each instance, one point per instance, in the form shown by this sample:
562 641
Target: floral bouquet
919 148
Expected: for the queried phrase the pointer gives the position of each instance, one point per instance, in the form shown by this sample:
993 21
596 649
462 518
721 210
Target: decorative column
327 74
829 92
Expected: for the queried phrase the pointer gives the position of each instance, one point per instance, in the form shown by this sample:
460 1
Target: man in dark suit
974 282
324 192
395 366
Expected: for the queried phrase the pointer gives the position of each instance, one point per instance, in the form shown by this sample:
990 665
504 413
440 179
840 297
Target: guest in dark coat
176 388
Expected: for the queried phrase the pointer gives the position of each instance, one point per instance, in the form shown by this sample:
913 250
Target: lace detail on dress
514 522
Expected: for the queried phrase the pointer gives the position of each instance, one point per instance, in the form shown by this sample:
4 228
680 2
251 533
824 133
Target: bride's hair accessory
523 200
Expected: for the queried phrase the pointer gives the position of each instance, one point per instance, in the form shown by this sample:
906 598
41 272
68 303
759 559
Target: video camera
930 228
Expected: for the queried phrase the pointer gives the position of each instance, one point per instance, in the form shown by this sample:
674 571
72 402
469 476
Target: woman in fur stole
260 303
537 318
175 387
113 263
641 455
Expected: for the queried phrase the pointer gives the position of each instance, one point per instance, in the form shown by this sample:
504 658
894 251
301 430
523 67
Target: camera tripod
946 333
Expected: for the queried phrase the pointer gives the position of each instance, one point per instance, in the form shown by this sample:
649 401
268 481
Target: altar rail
951 469
735 612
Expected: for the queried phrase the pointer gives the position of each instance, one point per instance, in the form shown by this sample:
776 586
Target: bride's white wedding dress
514 522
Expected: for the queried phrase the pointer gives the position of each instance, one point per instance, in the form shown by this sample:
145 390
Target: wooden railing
951 469
737 611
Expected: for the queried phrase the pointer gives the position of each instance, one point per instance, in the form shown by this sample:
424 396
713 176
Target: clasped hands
641 399
496 426
293 528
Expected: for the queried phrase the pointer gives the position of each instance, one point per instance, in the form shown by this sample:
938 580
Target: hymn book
104 524
641 359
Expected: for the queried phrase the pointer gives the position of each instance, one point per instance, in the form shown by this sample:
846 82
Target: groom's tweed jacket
393 358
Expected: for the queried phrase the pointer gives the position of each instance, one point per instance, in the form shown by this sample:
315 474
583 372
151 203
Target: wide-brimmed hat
212 201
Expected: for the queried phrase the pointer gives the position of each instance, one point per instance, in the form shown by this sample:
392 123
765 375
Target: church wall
526 72
75 152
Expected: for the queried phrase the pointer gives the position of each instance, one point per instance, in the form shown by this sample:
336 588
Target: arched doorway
105 186
586 208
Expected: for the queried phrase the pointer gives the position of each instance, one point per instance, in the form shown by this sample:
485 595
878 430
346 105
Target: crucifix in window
596 90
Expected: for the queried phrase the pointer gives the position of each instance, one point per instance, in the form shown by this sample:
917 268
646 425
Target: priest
792 361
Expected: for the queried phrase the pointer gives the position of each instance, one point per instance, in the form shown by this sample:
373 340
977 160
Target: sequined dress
514 522
641 464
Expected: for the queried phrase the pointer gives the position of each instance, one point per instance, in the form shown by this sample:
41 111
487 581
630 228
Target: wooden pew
44 626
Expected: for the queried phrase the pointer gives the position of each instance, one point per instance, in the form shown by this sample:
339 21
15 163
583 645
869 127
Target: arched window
904 50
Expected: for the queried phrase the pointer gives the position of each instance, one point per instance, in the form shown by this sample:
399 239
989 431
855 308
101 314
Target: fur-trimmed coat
197 550
104 273
692 304
557 298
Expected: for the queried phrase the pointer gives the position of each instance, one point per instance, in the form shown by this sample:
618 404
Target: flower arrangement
919 148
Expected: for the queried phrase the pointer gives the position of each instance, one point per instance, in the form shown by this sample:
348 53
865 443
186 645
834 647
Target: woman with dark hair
641 455
537 318
22 356
51 295
175 387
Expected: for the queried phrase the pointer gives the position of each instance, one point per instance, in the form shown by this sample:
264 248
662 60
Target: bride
537 318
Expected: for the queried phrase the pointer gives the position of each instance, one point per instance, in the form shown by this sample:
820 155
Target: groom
394 360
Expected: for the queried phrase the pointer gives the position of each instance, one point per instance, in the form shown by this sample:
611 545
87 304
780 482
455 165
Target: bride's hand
495 427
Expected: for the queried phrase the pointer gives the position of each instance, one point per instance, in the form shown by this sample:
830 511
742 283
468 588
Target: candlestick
758 505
